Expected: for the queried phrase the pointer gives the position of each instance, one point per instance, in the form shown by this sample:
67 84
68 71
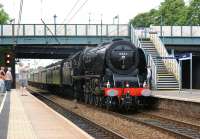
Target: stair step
167 88
148 47
166 81
153 53
170 80
159 62
145 40
162 68
165 75
155 57
150 50
148 44
166 78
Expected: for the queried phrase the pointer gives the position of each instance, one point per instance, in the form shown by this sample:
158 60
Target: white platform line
2 103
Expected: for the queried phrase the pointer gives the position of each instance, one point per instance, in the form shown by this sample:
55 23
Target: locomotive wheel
108 103
127 108
91 99
86 98
100 101
96 100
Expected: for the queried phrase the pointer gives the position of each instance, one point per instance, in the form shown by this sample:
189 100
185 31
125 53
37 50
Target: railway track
176 128
172 127
95 130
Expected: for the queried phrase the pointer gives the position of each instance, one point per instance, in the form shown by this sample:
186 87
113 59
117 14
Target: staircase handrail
150 61
135 38
152 64
171 64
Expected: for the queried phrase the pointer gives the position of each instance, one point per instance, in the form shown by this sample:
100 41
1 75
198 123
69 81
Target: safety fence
64 30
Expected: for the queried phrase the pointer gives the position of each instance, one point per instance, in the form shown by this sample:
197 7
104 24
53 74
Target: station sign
185 56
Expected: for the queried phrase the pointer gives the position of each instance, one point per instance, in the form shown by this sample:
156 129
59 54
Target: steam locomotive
111 75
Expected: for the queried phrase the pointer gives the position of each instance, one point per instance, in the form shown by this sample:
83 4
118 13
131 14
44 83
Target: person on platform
23 78
149 77
8 79
2 85
2 80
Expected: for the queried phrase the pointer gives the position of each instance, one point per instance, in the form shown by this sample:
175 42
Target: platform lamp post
160 21
116 17
54 17
12 21
101 26
161 25
89 20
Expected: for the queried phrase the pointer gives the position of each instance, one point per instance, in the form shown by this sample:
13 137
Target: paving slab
25 117
183 95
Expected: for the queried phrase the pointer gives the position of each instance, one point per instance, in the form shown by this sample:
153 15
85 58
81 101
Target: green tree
144 19
193 14
141 20
170 12
173 12
3 16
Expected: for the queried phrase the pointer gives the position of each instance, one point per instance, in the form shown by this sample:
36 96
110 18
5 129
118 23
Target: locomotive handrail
171 64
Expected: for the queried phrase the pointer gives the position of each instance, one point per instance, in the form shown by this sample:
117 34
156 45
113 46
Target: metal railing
177 31
169 31
150 62
64 30
171 64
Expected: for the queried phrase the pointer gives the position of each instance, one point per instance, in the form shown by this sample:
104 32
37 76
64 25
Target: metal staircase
165 79
165 72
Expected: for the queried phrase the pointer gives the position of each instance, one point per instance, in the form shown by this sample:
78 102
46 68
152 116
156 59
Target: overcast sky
34 10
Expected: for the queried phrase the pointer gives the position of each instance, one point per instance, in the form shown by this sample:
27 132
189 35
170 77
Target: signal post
9 61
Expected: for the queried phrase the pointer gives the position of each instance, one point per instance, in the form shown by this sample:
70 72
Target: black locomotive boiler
110 75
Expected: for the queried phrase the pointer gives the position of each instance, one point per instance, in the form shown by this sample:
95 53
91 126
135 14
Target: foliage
144 19
3 16
193 14
170 12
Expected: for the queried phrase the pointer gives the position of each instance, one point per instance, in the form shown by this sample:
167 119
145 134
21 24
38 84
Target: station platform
183 95
25 117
